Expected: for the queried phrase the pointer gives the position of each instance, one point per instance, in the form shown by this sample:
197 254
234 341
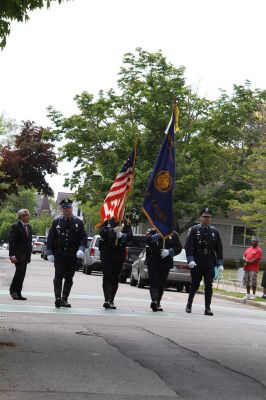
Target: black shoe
65 303
208 311
58 302
22 297
15 296
106 304
154 306
112 306
188 309
159 307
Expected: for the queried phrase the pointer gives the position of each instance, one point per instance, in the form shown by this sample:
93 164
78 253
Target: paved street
87 352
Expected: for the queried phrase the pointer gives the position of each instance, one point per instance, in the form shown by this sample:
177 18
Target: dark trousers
18 279
197 274
65 268
157 275
111 271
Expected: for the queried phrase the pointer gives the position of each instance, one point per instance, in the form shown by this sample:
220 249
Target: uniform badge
76 225
163 181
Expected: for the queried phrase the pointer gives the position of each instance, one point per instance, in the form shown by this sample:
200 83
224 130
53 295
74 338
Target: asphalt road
87 352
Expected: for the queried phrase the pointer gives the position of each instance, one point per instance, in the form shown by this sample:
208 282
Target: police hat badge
206 212
66 203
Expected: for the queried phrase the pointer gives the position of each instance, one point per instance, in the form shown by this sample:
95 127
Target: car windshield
41 239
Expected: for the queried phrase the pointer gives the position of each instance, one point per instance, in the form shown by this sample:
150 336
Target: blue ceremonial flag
158 202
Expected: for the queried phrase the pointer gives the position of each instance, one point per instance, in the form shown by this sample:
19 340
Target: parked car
92 260
133 250
33 238
37 244
179 276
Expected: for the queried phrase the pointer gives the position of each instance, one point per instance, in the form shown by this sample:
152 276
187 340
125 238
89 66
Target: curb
238 300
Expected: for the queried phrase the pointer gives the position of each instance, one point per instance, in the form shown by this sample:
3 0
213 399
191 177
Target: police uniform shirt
204 246
112 247
66 236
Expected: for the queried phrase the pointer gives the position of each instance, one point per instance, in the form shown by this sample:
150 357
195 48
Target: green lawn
231 275
236 294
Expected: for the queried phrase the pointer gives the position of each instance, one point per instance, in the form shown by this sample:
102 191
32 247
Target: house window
242 236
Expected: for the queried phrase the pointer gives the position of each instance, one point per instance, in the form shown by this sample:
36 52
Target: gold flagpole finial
176 114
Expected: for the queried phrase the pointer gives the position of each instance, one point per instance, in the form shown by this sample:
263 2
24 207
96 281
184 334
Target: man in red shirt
252 258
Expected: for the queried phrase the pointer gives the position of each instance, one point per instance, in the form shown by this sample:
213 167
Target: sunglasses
67 206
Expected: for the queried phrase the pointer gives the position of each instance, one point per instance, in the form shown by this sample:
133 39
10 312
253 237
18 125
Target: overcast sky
79 45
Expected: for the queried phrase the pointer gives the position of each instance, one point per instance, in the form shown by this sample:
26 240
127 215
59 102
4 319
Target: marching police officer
204 251
115 238
159 262
66 242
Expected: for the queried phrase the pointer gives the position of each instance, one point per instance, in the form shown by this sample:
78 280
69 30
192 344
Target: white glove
119 235
192 264
118 229
50 258
220 268
164 253
80 254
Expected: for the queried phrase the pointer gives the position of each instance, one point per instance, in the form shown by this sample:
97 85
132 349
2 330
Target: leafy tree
17 10
250 202
7 218
102 136
26 199
215 141
8 130
27 163
91 217
41 224
212 166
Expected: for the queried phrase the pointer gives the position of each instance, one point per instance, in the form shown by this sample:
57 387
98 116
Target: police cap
206 212
66 203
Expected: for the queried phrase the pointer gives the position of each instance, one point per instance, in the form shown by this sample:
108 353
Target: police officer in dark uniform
159 262
204 251
66 243
114 239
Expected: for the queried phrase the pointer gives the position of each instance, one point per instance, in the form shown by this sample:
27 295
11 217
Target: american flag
114 202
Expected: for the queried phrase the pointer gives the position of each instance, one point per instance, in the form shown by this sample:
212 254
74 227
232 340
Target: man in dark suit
20 237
